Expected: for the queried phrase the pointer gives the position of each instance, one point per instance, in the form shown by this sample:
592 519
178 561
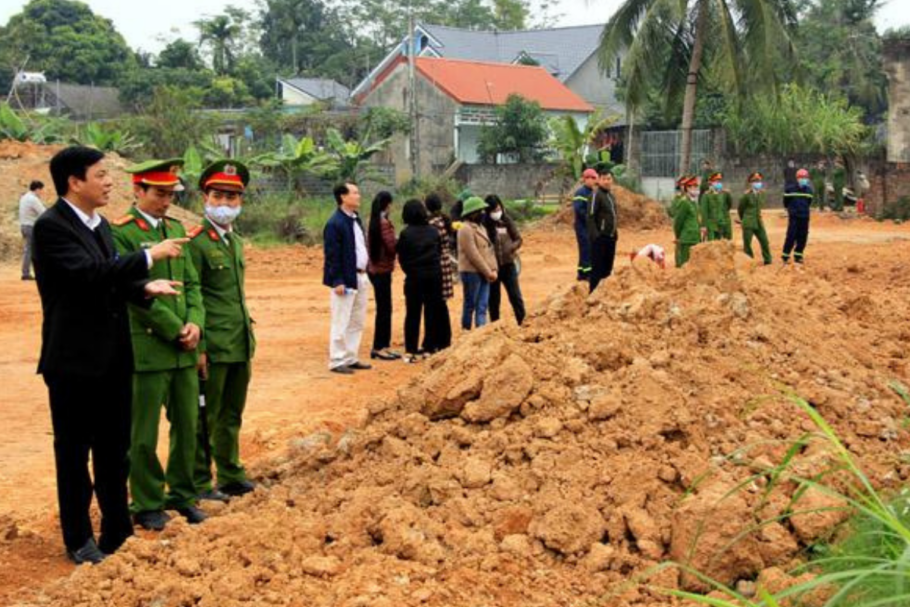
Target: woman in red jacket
381 249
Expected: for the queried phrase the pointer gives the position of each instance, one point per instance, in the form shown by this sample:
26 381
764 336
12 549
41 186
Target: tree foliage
67 41
799 120
519 131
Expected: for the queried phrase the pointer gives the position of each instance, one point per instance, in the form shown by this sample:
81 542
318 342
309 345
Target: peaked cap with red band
226 172
160 173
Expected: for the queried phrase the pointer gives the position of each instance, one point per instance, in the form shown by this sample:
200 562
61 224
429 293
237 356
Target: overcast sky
167 19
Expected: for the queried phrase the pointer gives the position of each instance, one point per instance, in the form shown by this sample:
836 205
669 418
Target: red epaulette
194 232
122 221
213 235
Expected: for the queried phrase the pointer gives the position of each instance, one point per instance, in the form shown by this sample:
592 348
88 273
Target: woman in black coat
419 254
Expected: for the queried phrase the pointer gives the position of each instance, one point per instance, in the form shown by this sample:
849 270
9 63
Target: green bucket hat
465 194
472 205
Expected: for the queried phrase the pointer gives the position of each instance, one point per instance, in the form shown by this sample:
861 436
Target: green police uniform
229 343
818 176
685 227
839 180
749 210
708 212
165 373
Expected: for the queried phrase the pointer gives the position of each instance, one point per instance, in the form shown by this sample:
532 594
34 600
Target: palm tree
220 32
744 41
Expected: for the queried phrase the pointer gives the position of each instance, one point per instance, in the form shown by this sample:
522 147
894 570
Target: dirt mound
636 212
22 163
548 465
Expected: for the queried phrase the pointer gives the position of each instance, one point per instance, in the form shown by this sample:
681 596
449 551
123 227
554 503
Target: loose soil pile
551 464
22 163
635 211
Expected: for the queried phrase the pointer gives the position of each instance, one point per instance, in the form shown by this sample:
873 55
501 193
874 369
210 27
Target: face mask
496 215
693 194
758 186
804 182
718 186
223 215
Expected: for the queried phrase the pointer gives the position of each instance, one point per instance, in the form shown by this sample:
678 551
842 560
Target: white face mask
693 194
496 215
222 215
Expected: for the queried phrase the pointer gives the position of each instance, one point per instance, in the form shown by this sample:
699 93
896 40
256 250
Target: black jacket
419 249
84 286
602 215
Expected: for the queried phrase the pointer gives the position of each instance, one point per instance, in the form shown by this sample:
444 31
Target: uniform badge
213 235
175 169
230 169
143 225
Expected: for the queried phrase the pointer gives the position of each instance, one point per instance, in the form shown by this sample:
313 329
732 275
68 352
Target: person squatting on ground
86 357
228 344
345 273
30 209
476 263
798 199
652 252
684 212
419 253
580 203
749 210
506 243
164 336
381 250
715 206
602 224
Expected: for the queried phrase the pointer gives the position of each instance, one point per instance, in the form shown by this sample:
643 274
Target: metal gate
660 151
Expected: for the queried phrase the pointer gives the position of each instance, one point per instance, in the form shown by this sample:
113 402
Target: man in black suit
86 358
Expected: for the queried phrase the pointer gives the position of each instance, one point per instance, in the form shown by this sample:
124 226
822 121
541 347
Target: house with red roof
455 98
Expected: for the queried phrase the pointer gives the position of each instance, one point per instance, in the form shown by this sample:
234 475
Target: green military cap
161 173
225 172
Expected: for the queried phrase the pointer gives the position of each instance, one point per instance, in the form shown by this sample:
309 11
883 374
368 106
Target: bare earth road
292 392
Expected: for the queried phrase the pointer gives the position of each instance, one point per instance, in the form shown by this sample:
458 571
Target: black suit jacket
84 286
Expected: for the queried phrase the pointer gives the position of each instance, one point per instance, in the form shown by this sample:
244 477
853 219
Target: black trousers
798 236
603 253
92 415
382 329
423 297
507 277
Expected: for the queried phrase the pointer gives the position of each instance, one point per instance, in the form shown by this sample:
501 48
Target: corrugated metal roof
472 82
561 50
323 89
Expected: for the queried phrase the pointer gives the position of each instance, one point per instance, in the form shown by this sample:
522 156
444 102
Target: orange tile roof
491 83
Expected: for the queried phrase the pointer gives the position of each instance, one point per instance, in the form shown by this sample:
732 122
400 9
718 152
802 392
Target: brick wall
889 181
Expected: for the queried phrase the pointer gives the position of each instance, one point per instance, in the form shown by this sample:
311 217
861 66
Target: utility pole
412 98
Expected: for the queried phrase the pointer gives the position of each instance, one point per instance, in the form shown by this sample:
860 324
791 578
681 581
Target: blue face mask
718 186
803 182
758 186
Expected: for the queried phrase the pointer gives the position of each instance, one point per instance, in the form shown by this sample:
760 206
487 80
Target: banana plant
352 157
107 139
295 158
572 143
13 126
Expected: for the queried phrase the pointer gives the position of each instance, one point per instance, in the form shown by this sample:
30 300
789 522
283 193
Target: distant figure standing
790 173
381 249
819 176
30 209
749 211
839 181
506 243
602 227
476 264
798 202
345 273
580 203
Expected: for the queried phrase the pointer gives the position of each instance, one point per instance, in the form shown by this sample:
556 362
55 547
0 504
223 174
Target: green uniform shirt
685 220
749 210
221 267
156 330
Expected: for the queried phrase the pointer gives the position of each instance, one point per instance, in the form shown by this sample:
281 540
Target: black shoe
89 553
192 514
342 370
152 520
238 488
359 366
213 495
383 355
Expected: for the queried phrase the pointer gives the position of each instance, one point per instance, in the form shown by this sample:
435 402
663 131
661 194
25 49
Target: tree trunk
688 116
